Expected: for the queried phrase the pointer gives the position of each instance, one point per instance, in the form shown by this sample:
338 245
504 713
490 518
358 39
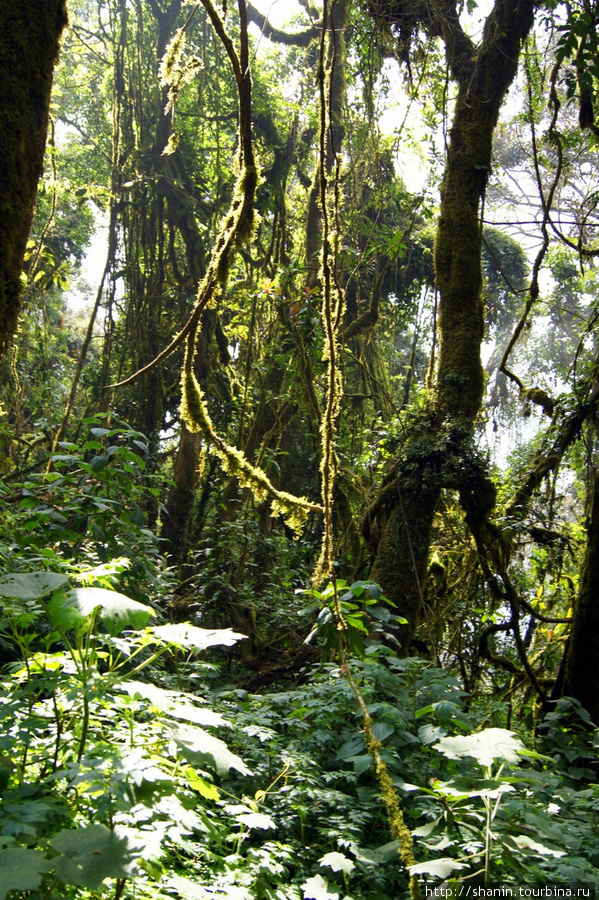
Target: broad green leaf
141 768
182 820
382 730
20 869
199 784
89 855
97 463
353 746
337 862
473 787
67 459
112 567
193 638
388 851
485 746
31 585
169 702
445 710
440 868
361 763
116 610
367 855
426 830
197 746
64 612
428 734
316 888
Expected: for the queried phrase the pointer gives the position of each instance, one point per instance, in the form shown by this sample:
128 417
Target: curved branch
297 39
546 203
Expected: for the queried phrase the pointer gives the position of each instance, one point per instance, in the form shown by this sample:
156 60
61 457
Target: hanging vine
333 301
332 310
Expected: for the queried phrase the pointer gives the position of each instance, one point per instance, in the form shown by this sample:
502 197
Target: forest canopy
299 506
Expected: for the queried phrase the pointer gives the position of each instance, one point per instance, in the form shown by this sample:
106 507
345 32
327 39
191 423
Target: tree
581 676
28 50
440 453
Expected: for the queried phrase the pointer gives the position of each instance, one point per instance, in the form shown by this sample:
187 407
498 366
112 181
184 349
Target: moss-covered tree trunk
437 454
29 40
581 678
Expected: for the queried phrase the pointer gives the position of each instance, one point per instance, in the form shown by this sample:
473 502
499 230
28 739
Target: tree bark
29 43
581 679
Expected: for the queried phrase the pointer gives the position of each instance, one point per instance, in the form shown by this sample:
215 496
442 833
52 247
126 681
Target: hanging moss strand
332 309
197 419
332 305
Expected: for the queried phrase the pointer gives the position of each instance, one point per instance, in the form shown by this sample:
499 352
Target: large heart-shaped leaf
116 610
337 862
250 817
485 746
89 855
20 869
31 585
527 845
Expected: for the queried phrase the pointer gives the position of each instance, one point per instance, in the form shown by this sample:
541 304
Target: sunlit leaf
197 746
193 638
485 746
170 703
187 888
316 888
256 820
115 610
527 844
199 784
337 862
440 868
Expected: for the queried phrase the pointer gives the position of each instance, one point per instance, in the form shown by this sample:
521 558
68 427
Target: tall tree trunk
29 41
581 679
438 451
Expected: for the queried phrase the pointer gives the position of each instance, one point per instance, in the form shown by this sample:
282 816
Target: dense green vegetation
299 506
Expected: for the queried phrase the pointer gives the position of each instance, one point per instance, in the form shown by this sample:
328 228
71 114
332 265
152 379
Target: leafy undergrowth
131 768
113 786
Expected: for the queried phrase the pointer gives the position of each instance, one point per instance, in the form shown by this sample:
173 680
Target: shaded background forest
458 392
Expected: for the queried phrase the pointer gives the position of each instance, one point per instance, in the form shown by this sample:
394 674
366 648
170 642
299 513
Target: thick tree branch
296 39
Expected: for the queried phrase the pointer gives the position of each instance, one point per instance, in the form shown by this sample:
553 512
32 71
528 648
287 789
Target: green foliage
93 504
101 773
357 613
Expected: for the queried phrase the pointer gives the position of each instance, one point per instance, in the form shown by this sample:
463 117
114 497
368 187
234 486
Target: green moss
195 414
28 49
